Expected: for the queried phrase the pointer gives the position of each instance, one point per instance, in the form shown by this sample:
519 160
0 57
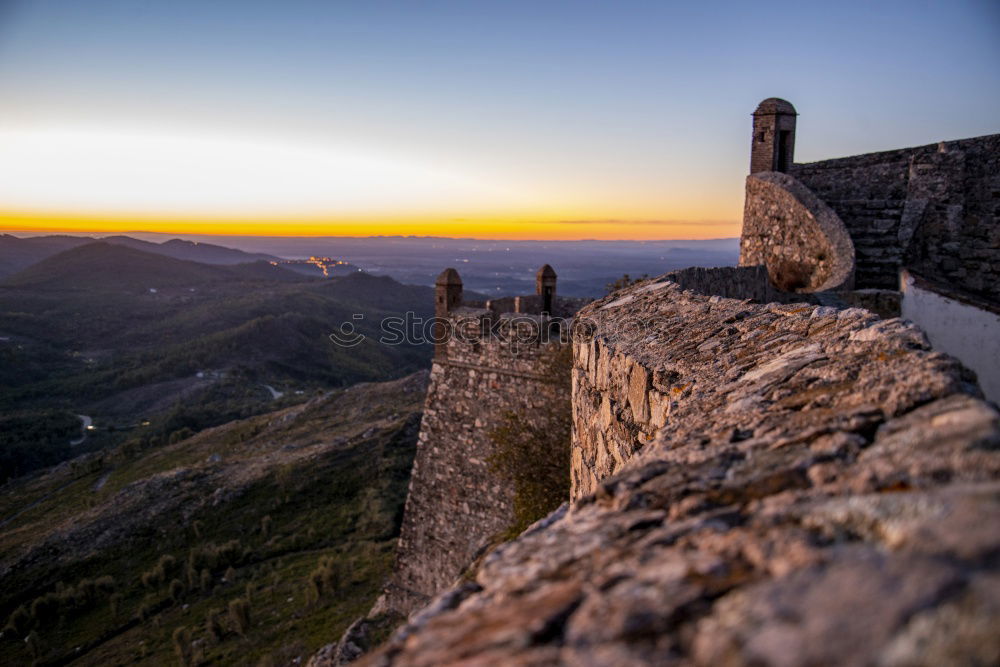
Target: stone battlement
491 360
752 484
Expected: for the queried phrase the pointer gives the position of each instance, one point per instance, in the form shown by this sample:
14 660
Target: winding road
275 394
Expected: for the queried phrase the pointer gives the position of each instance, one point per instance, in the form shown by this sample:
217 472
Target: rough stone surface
753 485
492 364
351 646
934 209
800 239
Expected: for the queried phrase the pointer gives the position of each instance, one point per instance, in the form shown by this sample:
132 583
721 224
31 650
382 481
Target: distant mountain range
17 254
111 265
494 268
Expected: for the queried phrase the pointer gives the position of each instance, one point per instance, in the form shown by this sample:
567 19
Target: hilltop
17 254
110 266
194 251
294 511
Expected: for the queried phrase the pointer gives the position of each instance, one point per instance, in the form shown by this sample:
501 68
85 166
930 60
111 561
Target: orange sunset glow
510 229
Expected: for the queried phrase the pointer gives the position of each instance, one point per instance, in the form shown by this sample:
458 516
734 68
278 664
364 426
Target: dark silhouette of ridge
109 266
207 253
17 254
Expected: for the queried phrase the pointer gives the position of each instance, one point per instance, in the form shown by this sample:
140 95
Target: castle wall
455 503
733 282
678 366
814 488
933 208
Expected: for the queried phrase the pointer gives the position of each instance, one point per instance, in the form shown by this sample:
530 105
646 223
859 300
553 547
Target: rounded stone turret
448 277
773 105
773 144
545 287
447 292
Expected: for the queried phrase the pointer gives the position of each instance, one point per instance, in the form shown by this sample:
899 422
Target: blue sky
631 111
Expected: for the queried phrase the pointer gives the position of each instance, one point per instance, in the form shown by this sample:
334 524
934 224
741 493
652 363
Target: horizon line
33 233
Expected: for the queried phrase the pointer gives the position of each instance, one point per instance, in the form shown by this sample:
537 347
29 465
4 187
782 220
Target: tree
239 614
182 645
624 282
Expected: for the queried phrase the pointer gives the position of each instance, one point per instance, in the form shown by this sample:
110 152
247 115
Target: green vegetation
153 367
533 455
35 439
623 282
257 542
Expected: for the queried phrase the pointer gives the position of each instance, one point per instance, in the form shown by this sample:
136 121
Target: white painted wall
968 333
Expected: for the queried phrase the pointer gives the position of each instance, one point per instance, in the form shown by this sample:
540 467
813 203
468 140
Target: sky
503 119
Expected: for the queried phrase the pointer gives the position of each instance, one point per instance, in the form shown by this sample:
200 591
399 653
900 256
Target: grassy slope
330 474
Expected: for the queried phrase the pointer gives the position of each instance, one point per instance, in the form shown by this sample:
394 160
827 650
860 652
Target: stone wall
810 486
800 240
933 208
734 282
455 505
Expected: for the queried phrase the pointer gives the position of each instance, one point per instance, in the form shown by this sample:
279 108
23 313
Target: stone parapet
753 485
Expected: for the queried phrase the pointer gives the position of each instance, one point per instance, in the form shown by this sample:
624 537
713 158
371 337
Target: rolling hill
110 266
249 543
126 337
17 253
207 253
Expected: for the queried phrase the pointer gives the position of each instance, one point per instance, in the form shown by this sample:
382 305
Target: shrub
151 578
145 609
166 565
180 434
106 583
176 590
239 614
34 644
623 282
116 603
182 645
205 581
86 591
67 597
324 579
213 624
18 622
45 608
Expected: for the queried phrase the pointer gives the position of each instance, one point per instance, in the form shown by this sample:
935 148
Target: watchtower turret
447 292
773 144
545 287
